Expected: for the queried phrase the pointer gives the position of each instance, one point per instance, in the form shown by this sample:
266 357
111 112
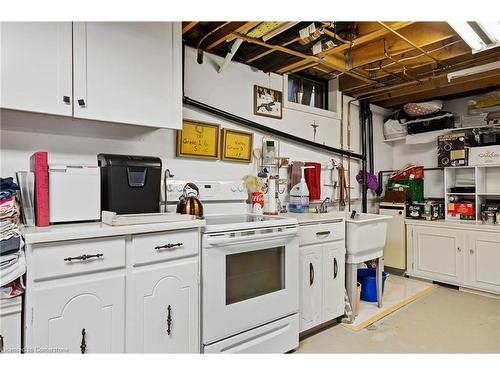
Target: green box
416 188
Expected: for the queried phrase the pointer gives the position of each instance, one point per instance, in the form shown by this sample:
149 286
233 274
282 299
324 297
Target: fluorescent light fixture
467 34
480 36
473 70
491 29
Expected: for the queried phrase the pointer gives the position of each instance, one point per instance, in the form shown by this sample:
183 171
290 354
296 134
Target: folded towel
295 174
13 271
8 260
10 245
313 180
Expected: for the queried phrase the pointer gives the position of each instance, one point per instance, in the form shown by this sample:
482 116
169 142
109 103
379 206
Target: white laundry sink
365 237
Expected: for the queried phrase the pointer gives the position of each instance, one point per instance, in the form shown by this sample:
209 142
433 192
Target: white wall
79 141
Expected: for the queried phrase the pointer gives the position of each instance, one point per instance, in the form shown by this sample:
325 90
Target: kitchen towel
295 174
39 165
10 245
313 180
13 271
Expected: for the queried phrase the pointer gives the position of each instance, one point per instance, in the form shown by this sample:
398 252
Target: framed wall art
198 139
267 102
236 146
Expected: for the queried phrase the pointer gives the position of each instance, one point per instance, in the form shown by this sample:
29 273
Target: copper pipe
409 42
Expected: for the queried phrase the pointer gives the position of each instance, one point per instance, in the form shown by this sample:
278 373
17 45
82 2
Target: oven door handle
222 241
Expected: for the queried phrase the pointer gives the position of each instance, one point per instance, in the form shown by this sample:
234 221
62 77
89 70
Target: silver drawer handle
169 246
325 233
83 257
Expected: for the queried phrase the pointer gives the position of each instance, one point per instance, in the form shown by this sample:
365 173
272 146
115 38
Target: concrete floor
444 321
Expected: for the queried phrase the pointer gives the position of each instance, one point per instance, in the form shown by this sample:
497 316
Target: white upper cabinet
128 72
36 67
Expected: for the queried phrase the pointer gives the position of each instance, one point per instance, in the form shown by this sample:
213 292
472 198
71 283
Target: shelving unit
485 180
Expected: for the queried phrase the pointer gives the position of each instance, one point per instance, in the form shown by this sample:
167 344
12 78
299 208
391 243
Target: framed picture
198 140
267 102
237 145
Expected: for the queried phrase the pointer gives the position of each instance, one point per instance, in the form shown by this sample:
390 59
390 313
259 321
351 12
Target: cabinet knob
459 249
471 251
81 102
66 99
83 344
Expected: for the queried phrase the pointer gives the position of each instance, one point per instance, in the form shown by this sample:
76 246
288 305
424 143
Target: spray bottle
299 195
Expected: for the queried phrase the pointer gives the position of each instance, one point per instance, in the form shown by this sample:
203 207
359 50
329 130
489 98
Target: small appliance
130 184
74 193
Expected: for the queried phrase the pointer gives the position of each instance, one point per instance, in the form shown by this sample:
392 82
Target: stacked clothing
12 260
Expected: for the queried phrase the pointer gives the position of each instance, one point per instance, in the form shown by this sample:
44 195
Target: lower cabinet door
483 261
165 309
80 317
438 254
310 290
333 281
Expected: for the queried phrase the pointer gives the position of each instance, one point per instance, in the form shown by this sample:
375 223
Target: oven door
250 278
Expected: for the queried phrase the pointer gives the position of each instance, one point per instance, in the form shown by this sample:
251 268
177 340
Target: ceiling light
492 29
468 35
474 70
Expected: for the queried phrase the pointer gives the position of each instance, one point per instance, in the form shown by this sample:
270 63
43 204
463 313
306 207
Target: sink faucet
323 207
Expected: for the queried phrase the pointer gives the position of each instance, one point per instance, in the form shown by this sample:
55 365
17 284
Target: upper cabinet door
129 72
36 67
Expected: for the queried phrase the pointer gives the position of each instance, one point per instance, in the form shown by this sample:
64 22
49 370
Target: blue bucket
367 277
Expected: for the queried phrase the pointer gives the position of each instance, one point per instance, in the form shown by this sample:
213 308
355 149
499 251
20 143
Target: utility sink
365 236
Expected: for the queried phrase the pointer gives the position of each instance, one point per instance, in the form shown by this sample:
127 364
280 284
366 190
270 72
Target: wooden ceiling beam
442 88
186 26
226 33
417 63
355 44
421 34
371 92
265 53
330 61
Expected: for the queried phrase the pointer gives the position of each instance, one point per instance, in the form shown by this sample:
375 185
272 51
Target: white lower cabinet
114 301
483 265
166 307
10 325
80 317
466 257
322 277
438 253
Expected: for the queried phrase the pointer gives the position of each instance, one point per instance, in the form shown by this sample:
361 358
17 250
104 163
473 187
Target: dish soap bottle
299 195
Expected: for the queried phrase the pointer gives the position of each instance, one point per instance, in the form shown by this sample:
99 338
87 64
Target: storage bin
416 188
367 277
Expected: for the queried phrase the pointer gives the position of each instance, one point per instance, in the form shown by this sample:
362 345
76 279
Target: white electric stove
250 285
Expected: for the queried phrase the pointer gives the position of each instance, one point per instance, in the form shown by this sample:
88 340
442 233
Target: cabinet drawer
158 247
52 260
324 232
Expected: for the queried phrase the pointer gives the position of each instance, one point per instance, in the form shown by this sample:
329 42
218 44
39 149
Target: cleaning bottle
299 195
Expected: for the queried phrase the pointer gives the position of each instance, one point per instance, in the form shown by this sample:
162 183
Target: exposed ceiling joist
186 26
354 44
330 61
402 37
440 87
225 33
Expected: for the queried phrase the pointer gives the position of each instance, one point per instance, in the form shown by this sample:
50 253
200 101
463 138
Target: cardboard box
461 211
486 155
452 149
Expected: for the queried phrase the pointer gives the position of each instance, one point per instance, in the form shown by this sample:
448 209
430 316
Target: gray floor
444 321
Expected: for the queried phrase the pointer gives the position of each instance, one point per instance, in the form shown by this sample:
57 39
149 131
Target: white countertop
306 218
474 225
63 232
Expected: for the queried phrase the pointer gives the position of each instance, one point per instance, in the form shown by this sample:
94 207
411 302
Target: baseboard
479 292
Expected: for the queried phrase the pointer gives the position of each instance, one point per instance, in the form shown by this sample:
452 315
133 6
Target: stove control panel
210 190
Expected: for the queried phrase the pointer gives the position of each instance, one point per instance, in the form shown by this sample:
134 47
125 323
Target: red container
258 198
462 208
410 173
